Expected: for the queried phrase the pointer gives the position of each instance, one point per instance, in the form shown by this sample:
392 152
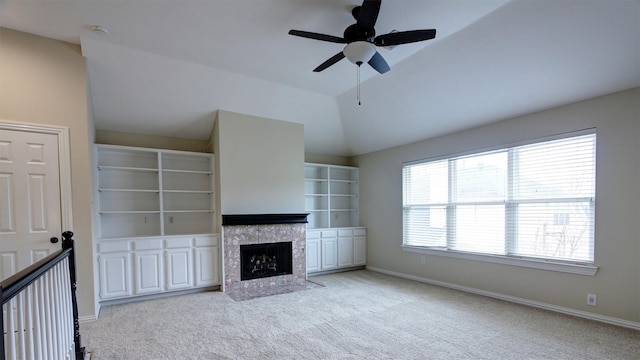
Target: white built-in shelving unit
331 195
145 192
156 221
334 238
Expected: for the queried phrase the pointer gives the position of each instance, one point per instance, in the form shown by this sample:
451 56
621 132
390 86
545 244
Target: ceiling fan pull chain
358 91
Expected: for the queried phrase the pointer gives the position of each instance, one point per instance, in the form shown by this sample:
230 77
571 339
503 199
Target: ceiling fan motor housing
357 33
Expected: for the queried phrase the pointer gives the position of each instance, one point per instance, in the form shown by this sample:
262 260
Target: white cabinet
115 275
342 248
114 268
145 266
313 251
206 273
179 274
329 250
180 267
148 271
150 192
207 265
331 195
359 247
345 248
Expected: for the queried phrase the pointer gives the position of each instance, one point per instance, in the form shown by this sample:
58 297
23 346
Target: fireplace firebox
265 260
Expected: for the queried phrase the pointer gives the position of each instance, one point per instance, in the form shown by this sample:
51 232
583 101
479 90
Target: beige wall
617 250
43 81
260 164
327 159
150 141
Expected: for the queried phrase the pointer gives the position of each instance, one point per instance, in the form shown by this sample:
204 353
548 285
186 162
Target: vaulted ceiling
165 67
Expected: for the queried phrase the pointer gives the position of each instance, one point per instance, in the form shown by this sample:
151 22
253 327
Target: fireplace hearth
265 260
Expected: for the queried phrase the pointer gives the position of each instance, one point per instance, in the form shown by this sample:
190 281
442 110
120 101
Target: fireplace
263 237
265 260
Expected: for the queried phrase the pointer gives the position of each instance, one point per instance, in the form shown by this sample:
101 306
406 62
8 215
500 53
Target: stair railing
39 315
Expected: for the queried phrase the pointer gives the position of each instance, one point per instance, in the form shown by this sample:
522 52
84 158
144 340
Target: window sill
571 268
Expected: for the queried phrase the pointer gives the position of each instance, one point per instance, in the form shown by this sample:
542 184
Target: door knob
53 240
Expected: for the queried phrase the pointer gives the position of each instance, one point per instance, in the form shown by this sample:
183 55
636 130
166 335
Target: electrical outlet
592 299
171 219
146 219
423 260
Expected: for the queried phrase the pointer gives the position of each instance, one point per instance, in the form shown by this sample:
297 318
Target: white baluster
20 310
48 320
70 326
54 313
29 328
37 330
57 315
11 334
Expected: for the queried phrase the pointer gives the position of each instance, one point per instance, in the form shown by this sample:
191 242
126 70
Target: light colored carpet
356 315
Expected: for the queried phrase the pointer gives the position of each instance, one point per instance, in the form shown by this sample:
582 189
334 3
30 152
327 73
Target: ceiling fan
361 39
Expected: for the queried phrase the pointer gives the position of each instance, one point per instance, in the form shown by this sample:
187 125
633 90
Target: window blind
535 200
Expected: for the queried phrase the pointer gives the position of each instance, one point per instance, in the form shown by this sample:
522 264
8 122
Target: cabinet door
359 250
148 272
345 251
206 266
313 254
329 253
115 275
178 269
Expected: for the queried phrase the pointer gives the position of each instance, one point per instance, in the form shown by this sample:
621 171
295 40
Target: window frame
566 266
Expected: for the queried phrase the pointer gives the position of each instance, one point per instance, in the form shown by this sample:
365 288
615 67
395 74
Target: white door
30 207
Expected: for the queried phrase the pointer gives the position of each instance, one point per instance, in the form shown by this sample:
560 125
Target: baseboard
87 318
326 272
540 305
157 295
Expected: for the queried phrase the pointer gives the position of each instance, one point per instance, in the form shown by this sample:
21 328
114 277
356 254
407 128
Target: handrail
15 284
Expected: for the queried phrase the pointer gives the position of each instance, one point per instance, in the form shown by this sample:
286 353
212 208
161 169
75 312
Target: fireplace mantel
263 219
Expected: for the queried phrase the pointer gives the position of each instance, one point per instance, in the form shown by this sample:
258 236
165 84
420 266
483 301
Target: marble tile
236 235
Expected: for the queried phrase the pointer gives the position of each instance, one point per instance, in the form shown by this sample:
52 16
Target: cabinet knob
53 240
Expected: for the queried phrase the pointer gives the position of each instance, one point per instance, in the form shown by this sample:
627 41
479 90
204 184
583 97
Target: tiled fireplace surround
262 229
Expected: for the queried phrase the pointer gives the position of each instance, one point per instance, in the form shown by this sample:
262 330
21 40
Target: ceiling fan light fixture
359 52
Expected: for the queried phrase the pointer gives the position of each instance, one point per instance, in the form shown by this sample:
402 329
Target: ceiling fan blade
334 59
379 64
404 37
368 13
316 36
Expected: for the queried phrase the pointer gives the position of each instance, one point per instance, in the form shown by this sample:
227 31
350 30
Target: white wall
44 82
260 164
617 248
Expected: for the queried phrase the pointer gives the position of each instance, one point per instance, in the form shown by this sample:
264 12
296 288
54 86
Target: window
535 201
